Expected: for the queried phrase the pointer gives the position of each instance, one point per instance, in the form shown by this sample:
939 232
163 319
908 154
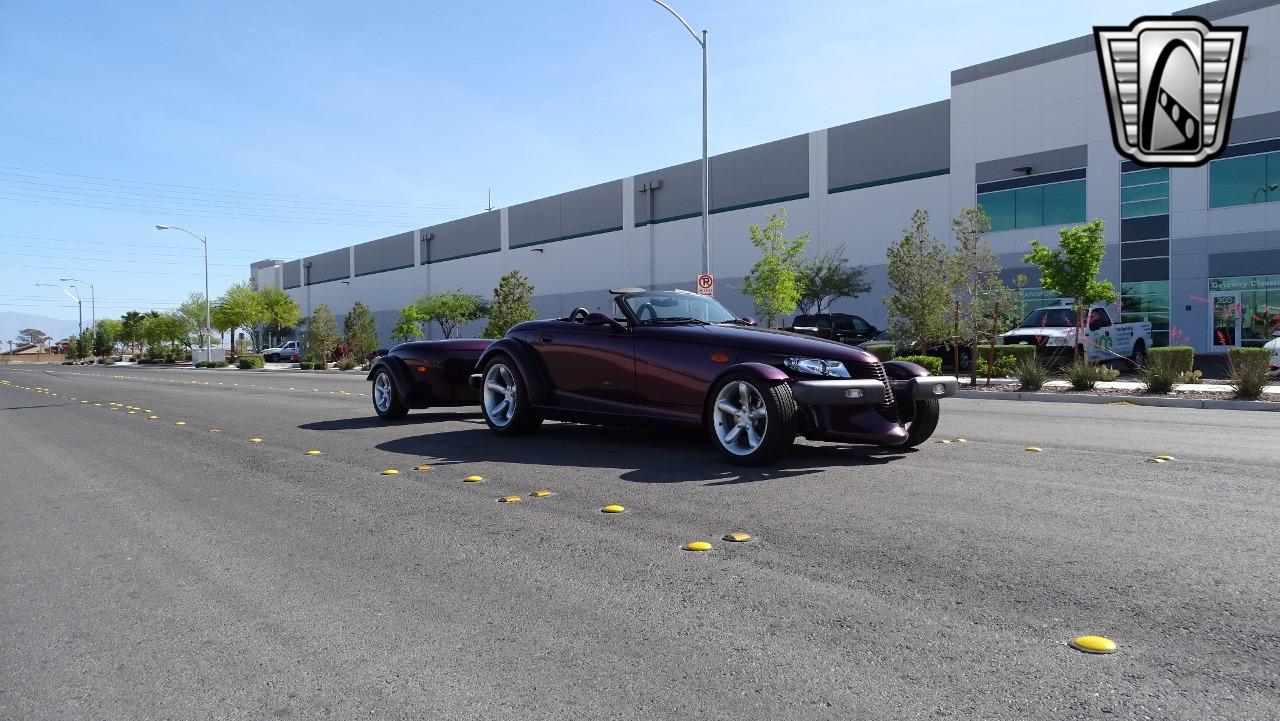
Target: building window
1030 299
1035 206
1145 192
1244 180
1253 304
1147 301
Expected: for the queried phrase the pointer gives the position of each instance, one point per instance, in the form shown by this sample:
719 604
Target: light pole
706 169
93 307
204 332
76 298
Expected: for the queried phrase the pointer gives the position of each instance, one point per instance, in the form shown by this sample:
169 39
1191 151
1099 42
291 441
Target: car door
591 367
858 330
1102 336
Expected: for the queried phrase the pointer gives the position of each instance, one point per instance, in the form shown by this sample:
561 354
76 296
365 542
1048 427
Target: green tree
448 310
828 278
1072 270
980 301
409 325
106 337
239 307
774 280
360 330
83 343
919 286
130 325
512 304
191 311
280 313
322 333
32 336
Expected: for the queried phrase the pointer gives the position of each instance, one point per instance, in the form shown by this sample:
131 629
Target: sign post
706 284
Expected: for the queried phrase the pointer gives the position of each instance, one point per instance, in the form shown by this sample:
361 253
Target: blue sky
281 129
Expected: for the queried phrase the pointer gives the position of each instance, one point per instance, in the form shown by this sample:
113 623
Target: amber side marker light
422 369
719 357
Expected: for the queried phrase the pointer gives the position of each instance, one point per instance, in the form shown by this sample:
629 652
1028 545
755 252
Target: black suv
835 326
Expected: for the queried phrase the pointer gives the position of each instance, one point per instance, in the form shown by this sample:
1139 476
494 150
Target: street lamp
706 170
93 307
76 298
204 332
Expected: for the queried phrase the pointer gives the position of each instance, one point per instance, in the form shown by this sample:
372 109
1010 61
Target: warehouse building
1026 136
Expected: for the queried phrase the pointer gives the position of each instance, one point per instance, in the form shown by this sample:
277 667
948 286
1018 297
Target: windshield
657 307
1050 318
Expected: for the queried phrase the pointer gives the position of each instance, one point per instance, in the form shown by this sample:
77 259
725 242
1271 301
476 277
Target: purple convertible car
669 358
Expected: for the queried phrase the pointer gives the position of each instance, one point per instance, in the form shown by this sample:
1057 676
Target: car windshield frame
1041 318
683 307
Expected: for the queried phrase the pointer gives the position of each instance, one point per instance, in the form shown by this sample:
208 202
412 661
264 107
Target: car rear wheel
505 401
386 401
273 358
751 423
1139 357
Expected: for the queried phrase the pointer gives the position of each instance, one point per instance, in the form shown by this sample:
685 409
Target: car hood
1046 332
765 341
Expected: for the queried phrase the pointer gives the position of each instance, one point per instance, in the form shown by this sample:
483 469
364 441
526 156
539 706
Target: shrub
1250 371
65 363
928 362
1083 375
248 362
1191 378
1031 373
211 364
107 361
883 351
310 363
1177 358
1003 367
1018 352
346 363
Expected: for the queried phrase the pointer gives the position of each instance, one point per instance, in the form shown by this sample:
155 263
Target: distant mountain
13 323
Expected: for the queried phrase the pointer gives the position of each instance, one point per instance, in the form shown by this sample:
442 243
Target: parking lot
156 570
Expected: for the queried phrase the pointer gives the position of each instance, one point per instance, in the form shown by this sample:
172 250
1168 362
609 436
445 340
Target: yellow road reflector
962 440
153 418
1033 449
391 472
146 410
944 440
98 405
1094 644
84 401
737 537
473 479
255 440
613 508
214 430
697 546
509 499
422 468
1155 460
130 412
542 493
1166 458
313 453
179 423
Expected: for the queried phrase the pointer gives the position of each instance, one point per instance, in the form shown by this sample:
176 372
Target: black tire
1139 357
966 361
522 418
386 398
780 427
273 358
923 423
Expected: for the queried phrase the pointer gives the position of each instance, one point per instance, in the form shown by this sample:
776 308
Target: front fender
525 362
396 368
763 371
904 370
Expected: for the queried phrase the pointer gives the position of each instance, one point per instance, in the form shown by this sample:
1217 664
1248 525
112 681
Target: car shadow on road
644 456
413 419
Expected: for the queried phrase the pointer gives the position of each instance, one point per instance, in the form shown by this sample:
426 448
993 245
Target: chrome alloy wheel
382 392
740 418
500 395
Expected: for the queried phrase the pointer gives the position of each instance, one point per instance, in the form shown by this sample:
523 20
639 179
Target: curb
1223 405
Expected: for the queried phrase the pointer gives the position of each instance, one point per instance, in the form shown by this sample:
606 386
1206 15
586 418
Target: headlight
817 367
1056 340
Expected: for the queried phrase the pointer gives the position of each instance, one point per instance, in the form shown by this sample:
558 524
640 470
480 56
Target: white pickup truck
284 352
1053 331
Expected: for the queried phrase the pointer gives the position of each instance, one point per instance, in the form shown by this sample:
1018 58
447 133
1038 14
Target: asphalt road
158 571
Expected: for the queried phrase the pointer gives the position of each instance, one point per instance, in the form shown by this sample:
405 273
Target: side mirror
597 319
748 320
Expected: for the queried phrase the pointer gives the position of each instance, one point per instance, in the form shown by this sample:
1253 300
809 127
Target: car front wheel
924 420
386 401
504 400
751 423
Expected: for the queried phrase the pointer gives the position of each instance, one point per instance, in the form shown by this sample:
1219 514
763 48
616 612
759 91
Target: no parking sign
706 284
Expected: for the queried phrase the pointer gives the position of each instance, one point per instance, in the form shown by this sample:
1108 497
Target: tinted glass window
860 325
1098 318
1143 177
1239 181
1028 207
999 207
662 307
1064 203
1147 301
